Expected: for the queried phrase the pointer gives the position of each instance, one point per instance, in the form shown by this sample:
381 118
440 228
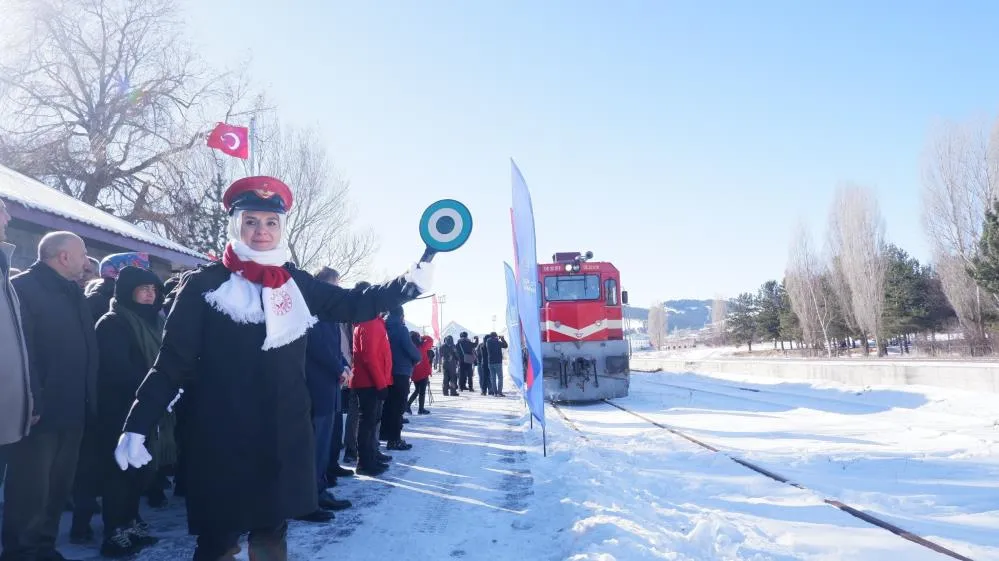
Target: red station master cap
259 192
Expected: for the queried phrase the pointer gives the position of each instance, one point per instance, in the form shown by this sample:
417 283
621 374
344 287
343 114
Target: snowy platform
476 487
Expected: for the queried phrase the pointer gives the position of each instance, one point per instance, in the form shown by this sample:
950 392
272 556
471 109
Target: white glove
131 451
422 275
180 392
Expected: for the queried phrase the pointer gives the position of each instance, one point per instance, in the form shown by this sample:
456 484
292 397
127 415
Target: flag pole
544 440
253 146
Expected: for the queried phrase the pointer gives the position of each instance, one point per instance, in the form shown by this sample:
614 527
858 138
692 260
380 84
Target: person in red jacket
370 381
421 373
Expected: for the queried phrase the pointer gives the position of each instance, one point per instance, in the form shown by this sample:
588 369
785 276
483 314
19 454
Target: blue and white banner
516 353
528 302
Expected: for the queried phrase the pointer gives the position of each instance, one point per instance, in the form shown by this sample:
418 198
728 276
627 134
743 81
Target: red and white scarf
261 290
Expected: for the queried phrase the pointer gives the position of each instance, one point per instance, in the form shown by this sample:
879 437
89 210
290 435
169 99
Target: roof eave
85 230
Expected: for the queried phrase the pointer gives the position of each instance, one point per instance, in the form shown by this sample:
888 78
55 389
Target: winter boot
373 471
328 502
399 445
139 534
423 412
340 471
319 516
118 544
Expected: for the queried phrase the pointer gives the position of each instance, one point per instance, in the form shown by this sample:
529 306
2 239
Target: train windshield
566 288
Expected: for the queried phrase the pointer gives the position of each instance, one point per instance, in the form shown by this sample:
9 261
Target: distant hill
680 314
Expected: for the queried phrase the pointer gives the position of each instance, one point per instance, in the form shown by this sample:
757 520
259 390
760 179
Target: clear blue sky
681 141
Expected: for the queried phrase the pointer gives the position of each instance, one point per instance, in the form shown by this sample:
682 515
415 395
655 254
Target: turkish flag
231 139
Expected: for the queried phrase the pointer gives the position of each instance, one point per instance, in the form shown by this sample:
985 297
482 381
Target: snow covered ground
475 486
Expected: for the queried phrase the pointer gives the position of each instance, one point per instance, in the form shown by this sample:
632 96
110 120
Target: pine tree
985 264
790 327
742 323
905 299
768 311
939 311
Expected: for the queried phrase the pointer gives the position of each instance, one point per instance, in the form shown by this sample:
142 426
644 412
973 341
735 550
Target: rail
852 511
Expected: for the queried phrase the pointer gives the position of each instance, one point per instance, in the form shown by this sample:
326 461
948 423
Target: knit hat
114 263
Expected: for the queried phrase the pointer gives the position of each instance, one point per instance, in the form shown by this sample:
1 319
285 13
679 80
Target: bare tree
965 297
102 99
320 225
719 312
808 288
857 230
960 181
657 325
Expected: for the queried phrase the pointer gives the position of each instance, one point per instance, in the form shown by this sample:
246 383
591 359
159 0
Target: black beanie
131 277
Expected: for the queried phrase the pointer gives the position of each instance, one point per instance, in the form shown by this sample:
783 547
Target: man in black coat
325 370
62 354
466 356
494 356
484 380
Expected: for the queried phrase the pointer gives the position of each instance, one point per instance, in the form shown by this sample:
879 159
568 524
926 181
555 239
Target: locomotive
585 356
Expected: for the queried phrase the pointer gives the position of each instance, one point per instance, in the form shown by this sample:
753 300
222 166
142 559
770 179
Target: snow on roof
39 196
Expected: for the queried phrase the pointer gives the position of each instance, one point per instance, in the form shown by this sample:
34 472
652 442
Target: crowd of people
245 385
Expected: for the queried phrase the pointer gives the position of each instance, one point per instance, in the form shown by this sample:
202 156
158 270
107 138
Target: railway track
852 511
734 391
757 395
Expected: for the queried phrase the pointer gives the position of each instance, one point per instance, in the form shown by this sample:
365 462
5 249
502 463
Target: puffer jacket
422 370
405 355
372 356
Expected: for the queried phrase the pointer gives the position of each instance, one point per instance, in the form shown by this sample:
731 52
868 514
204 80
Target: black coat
62 347
494 349
405 355
324 363
248 439
122 369
465 347
99 293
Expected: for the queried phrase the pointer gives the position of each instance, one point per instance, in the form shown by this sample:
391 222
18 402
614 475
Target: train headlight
568 267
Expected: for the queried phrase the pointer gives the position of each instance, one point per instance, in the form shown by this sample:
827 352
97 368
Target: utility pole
441 299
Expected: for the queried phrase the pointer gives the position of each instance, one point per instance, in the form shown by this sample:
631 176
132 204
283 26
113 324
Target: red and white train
584 352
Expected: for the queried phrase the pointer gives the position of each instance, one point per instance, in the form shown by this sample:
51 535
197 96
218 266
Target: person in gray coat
16 403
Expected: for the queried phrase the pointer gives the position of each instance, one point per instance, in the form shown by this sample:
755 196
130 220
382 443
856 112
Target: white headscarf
286 314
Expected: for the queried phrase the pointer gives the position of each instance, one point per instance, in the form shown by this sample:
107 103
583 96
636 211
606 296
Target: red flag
435 320
230 139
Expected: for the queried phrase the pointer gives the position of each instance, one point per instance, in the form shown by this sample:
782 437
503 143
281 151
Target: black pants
350 428
421 391
484 383
450 380
266 544
467 372
3 463
367 405
122 491
395 404
40 470
86 483
336 446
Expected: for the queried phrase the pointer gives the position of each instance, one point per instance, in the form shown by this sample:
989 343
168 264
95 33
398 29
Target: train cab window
610 289
571 288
